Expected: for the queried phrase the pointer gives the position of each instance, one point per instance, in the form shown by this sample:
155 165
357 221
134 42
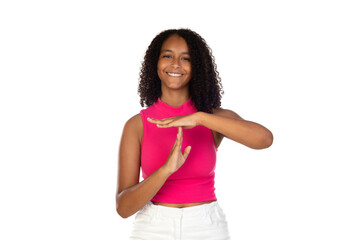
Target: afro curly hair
205 86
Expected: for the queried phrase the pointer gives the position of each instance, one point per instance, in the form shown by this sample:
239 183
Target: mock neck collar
186 108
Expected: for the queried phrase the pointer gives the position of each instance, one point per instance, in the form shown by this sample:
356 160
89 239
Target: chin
175 86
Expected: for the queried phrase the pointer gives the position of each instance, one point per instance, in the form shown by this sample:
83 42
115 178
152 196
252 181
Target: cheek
159 67
189 71
162 64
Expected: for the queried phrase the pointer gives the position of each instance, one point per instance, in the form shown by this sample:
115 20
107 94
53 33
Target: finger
153 119
164 125
176 144
164 120
180 134
187 152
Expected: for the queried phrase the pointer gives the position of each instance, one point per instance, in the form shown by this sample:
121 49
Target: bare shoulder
134 126
226 113
136 120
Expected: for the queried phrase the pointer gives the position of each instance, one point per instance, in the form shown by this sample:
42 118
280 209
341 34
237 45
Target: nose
176 63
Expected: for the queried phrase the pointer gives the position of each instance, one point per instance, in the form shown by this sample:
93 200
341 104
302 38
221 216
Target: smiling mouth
174 74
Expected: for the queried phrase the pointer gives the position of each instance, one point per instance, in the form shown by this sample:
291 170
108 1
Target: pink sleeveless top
194 181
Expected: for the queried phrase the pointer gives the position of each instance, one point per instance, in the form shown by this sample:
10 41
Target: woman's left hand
185 121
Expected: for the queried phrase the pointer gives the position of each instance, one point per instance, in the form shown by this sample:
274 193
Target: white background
69 73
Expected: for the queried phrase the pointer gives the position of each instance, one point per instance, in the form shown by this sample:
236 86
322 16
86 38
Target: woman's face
174 66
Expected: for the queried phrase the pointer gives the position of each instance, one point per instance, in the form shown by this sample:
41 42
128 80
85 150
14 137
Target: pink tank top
194 181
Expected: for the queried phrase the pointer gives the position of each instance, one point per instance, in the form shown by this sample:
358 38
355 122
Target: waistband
158 210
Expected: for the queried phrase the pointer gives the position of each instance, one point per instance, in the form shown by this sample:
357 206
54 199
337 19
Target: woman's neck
175 99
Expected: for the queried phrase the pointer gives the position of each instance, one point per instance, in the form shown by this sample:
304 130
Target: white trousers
155 222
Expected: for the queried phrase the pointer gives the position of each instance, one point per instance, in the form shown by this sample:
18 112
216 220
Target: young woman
174 141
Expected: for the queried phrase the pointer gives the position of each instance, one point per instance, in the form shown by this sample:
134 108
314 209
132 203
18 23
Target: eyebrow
168 50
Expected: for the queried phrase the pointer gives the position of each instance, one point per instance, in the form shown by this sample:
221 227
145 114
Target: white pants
155 222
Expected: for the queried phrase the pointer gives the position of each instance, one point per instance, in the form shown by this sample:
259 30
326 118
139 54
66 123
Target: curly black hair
205 86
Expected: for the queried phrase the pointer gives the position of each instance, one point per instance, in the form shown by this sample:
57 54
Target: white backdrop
69 73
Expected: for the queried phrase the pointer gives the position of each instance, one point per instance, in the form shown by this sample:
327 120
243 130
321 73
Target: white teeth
175 74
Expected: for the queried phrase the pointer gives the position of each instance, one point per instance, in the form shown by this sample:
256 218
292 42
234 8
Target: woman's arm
131 195
229 124
224 123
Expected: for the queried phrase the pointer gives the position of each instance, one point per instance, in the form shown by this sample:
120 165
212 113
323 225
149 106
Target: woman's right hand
176 158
